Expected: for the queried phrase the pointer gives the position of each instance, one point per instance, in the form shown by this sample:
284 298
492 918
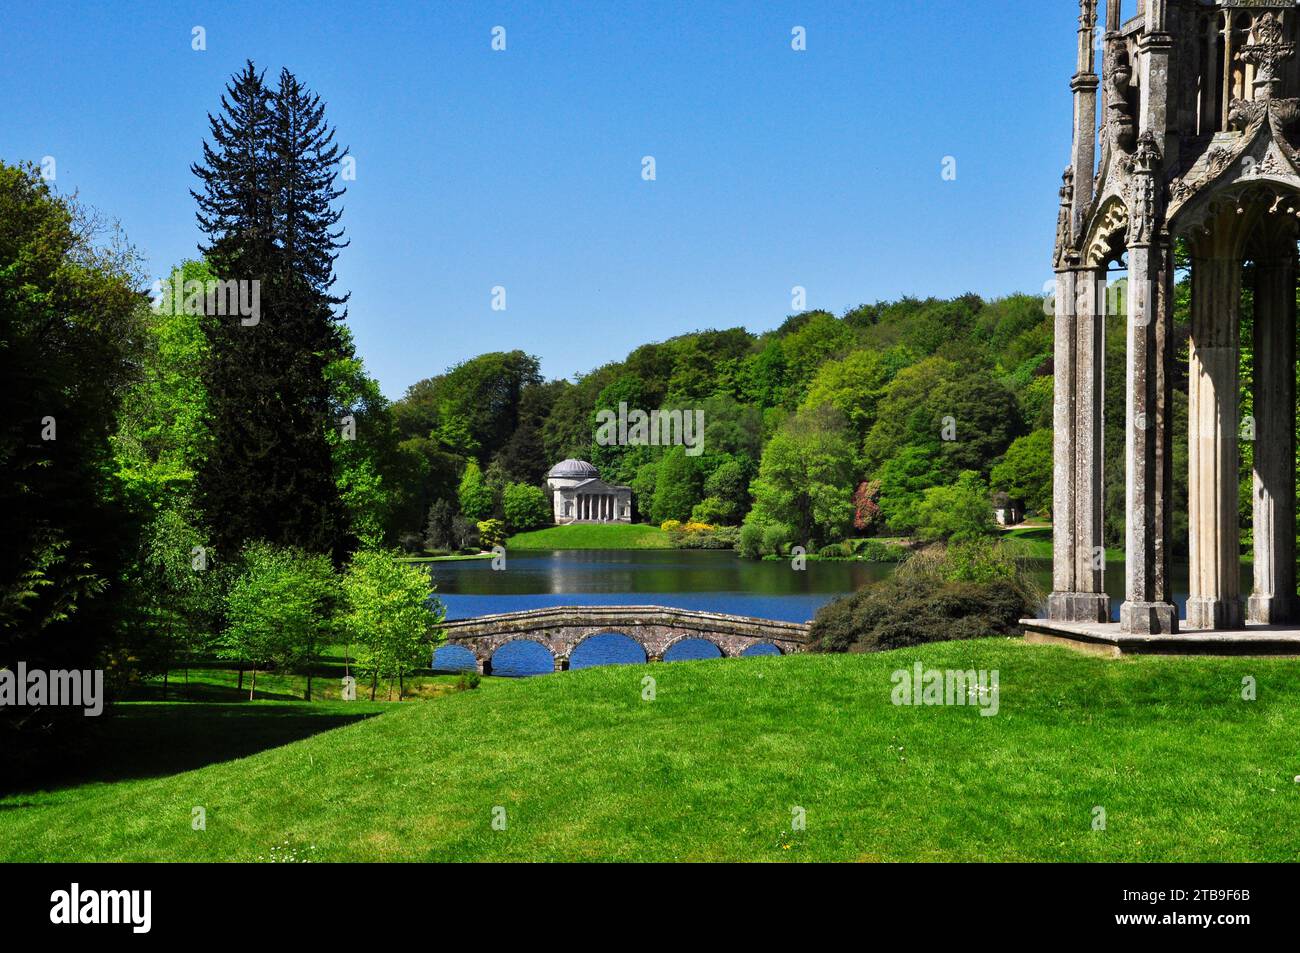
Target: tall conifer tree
266 209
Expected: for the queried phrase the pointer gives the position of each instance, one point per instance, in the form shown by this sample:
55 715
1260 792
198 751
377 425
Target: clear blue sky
523 168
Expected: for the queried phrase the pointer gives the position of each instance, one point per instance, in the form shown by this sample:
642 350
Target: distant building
580 496
1006 511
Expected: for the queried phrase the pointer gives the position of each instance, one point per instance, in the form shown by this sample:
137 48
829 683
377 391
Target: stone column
1147 427
1214 600
1273 600
1078 593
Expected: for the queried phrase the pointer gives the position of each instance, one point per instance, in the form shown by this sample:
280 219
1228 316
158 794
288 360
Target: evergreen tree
305 160
265 209
235 206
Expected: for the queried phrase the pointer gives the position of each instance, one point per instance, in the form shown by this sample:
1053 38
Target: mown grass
712 768
593 536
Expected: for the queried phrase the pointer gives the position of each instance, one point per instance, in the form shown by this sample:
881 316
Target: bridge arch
611 642
682 642
492 666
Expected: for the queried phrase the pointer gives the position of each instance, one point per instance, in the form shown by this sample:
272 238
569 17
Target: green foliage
491 533
926 600
477 499
71 325
877 551
714 511
526 507
1025 472
962 512
981 561
903 481
391 618
677 487
985 417
750 545
363 440
279 610
806 476
438 530
726 492
905 417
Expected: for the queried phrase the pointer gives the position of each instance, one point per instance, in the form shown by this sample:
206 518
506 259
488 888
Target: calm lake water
711 580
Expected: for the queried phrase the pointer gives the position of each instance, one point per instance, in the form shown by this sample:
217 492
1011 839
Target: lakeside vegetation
712 768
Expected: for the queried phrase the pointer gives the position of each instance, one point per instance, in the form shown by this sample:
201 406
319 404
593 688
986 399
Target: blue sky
522 168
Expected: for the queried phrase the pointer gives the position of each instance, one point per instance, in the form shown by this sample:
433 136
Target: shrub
711 509
751 541
526 507
962 512
776 537
836 551
670 526
875 551
468 681
927 600
714 537
491 533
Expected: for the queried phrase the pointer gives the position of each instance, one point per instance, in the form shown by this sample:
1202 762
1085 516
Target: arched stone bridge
655 628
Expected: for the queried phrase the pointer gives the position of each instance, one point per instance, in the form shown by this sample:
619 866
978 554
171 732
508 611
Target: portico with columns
1195 147
580 496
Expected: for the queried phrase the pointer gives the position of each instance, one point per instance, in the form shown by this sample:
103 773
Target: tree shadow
146 740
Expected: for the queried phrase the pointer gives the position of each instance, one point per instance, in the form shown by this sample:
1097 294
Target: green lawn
593 536
710 769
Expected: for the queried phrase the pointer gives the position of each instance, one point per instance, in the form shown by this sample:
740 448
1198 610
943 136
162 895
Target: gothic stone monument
1196 140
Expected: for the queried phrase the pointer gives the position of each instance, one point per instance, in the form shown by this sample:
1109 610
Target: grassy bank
712 768
592 536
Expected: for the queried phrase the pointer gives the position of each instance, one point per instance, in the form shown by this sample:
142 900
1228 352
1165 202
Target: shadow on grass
146 740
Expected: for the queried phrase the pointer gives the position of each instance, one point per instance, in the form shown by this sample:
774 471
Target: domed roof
573 470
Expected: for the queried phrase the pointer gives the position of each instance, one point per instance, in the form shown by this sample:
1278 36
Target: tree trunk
308 695
166 672
401 686
252 687
374 684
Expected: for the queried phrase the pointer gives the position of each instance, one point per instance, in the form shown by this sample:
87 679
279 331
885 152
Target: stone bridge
655 628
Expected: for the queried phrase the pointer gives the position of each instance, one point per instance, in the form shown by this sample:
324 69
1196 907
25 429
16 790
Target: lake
712 580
